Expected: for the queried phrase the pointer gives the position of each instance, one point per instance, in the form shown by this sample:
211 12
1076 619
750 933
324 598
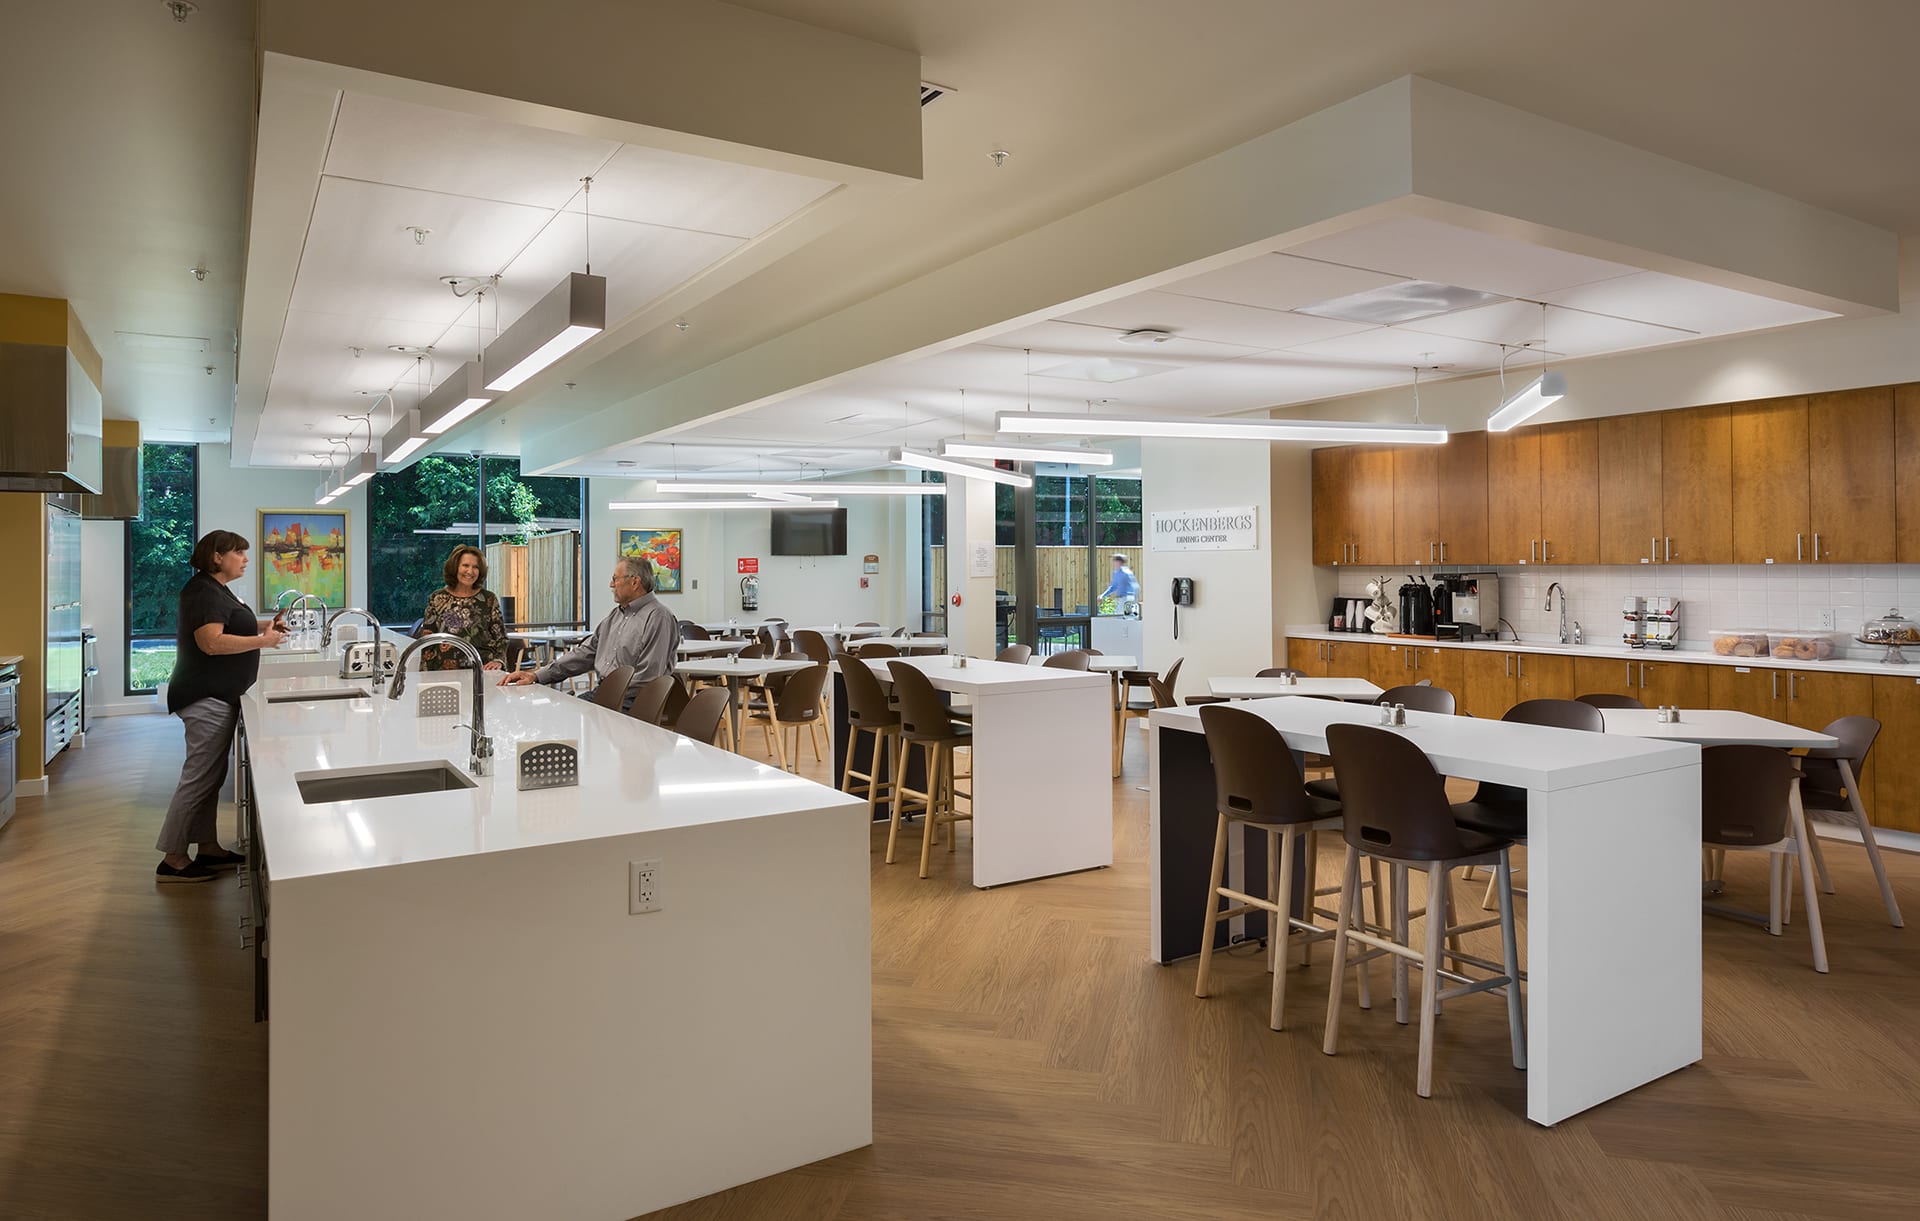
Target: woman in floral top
465 608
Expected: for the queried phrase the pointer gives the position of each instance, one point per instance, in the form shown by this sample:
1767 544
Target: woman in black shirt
218 658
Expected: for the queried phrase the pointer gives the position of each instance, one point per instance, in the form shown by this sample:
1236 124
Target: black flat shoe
221 860
192 871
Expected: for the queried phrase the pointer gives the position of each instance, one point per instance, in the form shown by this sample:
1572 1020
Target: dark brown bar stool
796 704
677 700
1606 699
814 647
924 723
1015 654
693 631
1418 697
1256 782
705 717
915 649
877 648
1067 659
1746 805
1160 689
1396 810
650 702
612 689
1830 790
869 712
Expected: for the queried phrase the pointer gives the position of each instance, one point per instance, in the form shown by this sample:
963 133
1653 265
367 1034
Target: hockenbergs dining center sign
1206 530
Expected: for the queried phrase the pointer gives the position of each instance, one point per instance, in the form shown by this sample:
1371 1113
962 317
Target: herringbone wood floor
1029 1061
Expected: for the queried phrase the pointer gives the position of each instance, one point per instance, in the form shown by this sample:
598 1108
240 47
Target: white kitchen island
1613 880
465 1020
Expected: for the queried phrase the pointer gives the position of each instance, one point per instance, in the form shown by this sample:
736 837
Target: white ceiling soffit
352 166
1352 199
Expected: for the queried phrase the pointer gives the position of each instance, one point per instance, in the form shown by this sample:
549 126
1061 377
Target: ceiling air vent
931 93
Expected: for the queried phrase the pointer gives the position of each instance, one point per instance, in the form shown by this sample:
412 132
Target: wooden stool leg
1349 900
846 770
1814 930
1215 877
1276 935
899 792
1872 846
1510 958
1819 860
933 805
1430 977
1379 893
1282 896
1399 935
1312 849
950 755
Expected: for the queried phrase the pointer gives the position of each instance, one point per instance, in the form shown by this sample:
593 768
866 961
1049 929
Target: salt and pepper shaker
1288 680
1668 714
1395 715
959 661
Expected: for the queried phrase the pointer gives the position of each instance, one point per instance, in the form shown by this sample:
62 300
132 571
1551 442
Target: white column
970 519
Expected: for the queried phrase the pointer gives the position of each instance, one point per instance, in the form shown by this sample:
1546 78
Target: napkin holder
550 764
439 699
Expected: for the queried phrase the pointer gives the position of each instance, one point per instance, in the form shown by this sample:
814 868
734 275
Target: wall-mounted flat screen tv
810 532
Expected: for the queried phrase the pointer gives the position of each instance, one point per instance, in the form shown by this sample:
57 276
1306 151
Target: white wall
1230 629
804 590
229 499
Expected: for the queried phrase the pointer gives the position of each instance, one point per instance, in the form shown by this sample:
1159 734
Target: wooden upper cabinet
1513 496
1416 504
1462 475
1570 493
1906 468
1696 496
1370 504
1332 529
1770 507
1850 476
1631 524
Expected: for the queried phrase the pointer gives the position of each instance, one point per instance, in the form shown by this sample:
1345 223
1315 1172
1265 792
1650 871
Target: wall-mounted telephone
1182 596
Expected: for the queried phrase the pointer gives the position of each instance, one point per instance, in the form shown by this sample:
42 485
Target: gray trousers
195 810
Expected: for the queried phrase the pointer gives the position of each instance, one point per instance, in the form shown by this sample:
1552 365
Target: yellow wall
23 616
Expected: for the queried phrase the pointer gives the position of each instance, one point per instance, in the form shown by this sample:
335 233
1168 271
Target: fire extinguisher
749 593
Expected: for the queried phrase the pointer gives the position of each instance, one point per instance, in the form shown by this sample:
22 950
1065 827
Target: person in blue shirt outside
1124 584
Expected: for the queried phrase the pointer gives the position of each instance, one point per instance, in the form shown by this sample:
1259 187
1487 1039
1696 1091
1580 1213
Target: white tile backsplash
1770 596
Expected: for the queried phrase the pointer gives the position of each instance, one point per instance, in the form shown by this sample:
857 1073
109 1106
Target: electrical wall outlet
643 887
1826 619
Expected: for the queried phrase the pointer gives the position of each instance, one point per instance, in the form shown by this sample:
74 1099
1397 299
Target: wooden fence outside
541 576
1056 568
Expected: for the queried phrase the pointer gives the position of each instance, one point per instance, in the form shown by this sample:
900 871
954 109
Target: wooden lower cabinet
1606 676
1308 657
1751 689
1816 699
1486 683
1348 658
1543 676
1679 683
1389 666
1445 668
1894 764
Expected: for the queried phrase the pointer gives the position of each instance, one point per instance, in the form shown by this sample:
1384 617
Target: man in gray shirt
640 632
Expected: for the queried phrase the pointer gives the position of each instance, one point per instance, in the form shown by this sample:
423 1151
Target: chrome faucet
481 762
306 601
326 638
280 603
1565 636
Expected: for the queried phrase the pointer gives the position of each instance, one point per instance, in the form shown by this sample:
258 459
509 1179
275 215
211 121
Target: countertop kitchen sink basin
308 697
363 783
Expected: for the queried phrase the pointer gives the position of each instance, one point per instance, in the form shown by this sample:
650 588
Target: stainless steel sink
308 697
363 783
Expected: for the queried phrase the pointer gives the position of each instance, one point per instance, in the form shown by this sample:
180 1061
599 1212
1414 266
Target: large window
159 543
532 529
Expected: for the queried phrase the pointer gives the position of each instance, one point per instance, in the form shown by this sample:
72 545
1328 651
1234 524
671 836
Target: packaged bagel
1741 642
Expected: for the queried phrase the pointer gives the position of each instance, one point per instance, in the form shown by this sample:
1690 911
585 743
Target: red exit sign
748 564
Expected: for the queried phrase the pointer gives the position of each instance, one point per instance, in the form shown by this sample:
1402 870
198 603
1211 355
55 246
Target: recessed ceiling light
1406 301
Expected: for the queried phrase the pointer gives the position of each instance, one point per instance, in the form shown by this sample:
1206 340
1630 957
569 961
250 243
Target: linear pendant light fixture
922 460
670 505
1536 396
777 487
1070 455
574 312
1042 423
403 439
454 399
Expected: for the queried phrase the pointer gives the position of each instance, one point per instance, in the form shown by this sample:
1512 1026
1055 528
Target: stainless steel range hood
119 498
50 405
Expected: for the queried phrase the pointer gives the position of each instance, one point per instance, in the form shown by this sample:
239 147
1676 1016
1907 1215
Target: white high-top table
1264 688
1042 799
737 671
708 648
1613 999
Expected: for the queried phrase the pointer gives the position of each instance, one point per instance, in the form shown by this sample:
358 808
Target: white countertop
988 677
1527 756
697 648
1613 651
1713 727
633 777
1263 688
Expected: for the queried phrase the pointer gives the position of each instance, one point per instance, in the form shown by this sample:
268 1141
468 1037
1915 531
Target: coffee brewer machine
1416 607
1466 605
